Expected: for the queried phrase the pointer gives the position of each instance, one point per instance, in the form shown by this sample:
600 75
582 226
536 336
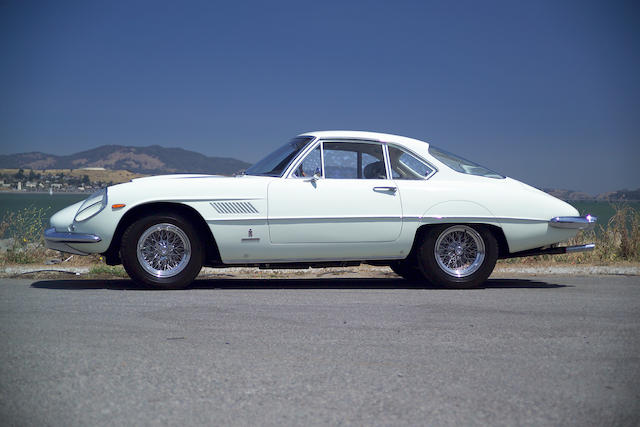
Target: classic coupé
323 198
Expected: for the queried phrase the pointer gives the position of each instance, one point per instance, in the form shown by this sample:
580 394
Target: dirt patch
80 270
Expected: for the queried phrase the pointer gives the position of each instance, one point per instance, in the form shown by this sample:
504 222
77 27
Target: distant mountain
611 196
621 195
147 160
568 194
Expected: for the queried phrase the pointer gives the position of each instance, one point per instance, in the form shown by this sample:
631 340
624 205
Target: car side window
354 160
311 165
405 165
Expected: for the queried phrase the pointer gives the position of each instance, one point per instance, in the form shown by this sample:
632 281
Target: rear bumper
575 222
59 240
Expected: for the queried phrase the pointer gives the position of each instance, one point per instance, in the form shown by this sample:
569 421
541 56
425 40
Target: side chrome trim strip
337 218
479 218
428 218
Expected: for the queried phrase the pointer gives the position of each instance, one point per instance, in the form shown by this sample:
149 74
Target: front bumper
59 240
575 222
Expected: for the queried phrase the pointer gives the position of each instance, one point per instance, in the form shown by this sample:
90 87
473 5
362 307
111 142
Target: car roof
375 136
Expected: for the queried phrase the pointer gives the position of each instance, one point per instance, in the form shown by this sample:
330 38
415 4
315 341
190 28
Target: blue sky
544 91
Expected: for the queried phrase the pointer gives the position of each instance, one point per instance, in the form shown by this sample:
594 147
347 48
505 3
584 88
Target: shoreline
45 192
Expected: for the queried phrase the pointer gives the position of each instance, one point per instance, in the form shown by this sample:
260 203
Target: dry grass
25 230
618 241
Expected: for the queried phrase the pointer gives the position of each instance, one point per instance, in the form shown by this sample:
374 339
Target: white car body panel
333 211
285 219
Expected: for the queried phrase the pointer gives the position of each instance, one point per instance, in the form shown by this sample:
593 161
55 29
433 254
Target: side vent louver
238 208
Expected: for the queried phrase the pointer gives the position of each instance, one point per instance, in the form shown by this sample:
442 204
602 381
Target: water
52 203
603 210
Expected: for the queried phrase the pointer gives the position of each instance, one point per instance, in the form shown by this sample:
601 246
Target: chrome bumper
577 222
59 240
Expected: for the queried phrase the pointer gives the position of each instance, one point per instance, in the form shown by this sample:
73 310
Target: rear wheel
458 256
162 251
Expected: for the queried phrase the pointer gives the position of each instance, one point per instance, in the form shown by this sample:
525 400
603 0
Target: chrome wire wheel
163 250
459 251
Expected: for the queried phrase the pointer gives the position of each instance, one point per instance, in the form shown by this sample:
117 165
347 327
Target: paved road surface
532 351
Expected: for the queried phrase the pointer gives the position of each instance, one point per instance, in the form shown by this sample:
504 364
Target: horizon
546 93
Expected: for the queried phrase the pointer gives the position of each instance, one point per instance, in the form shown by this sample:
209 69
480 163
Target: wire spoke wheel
459 251
163 250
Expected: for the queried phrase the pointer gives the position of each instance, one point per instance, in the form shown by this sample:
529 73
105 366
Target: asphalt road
529 351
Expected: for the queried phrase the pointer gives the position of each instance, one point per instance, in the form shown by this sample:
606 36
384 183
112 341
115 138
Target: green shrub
26 229
107 270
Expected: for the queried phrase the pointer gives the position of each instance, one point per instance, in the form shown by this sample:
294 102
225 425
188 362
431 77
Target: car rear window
462 165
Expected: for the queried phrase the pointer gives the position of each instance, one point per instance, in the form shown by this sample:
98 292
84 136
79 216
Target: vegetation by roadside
22 241
617 241
107 271
22 236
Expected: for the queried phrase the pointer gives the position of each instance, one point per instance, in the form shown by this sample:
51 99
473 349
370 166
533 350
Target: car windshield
276 163
459 164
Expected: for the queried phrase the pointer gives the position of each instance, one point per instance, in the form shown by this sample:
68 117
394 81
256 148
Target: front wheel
458 256
407 270
162 251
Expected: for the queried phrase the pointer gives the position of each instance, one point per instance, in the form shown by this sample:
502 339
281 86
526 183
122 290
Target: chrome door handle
385 189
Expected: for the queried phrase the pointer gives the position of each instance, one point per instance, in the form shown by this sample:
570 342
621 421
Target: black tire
162 251
407 270
465 257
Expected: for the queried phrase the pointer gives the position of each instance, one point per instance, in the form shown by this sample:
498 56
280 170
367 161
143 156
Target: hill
151 160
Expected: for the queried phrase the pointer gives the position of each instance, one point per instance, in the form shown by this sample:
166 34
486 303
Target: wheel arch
463 212
211 255
497 232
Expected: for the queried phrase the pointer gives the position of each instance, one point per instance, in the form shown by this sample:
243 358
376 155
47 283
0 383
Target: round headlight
92 205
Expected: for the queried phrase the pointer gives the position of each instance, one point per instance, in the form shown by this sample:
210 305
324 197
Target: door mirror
314 178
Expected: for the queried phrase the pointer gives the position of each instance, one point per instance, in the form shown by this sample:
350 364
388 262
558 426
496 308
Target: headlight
92 205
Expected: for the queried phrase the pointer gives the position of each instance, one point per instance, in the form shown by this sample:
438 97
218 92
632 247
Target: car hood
185 187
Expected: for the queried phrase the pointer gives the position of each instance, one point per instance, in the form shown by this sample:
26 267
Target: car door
340 193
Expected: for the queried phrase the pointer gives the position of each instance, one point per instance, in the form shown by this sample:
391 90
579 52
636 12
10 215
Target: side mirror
314 179
317 174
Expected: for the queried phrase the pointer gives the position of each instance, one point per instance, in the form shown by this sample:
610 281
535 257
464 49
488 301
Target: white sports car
328 198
